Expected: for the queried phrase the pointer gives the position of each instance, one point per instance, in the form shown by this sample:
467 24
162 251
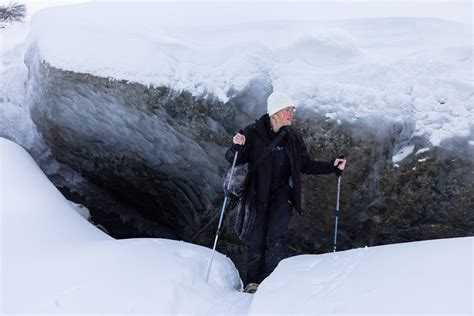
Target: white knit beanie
278 101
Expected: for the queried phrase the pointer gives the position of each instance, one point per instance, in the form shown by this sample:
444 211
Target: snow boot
251 288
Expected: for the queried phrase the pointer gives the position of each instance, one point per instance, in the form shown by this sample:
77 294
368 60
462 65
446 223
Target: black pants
268 242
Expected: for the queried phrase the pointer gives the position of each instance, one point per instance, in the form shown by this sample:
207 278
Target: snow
415 68
34 6
422 151
54 261
16 123
403 153
429 277
81 209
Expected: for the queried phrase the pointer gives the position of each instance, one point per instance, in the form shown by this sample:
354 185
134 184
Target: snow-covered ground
416 70
428 277
55 261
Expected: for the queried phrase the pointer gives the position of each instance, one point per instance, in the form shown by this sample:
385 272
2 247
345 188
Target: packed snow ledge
54 260
417 71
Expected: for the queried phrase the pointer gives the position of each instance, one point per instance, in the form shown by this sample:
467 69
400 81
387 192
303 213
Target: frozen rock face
152 161
428 195
158 153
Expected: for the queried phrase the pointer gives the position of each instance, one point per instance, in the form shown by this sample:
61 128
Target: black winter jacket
257 137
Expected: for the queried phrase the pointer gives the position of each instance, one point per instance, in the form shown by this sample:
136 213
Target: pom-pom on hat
278 101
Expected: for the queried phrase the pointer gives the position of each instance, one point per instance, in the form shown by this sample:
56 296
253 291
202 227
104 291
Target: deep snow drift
53 260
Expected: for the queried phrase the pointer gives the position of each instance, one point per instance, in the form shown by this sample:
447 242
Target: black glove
237 147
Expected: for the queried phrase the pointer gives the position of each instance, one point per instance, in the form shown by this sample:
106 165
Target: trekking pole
337 212
220 219
337 207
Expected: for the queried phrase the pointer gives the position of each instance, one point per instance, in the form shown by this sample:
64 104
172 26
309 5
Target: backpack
234 184
237 187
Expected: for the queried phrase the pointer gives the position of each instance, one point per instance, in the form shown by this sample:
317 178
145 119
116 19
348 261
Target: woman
276 182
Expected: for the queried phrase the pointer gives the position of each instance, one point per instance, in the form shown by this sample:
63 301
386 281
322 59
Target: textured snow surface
412 70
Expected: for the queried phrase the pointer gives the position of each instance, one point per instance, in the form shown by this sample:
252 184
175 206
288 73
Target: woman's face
286 115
